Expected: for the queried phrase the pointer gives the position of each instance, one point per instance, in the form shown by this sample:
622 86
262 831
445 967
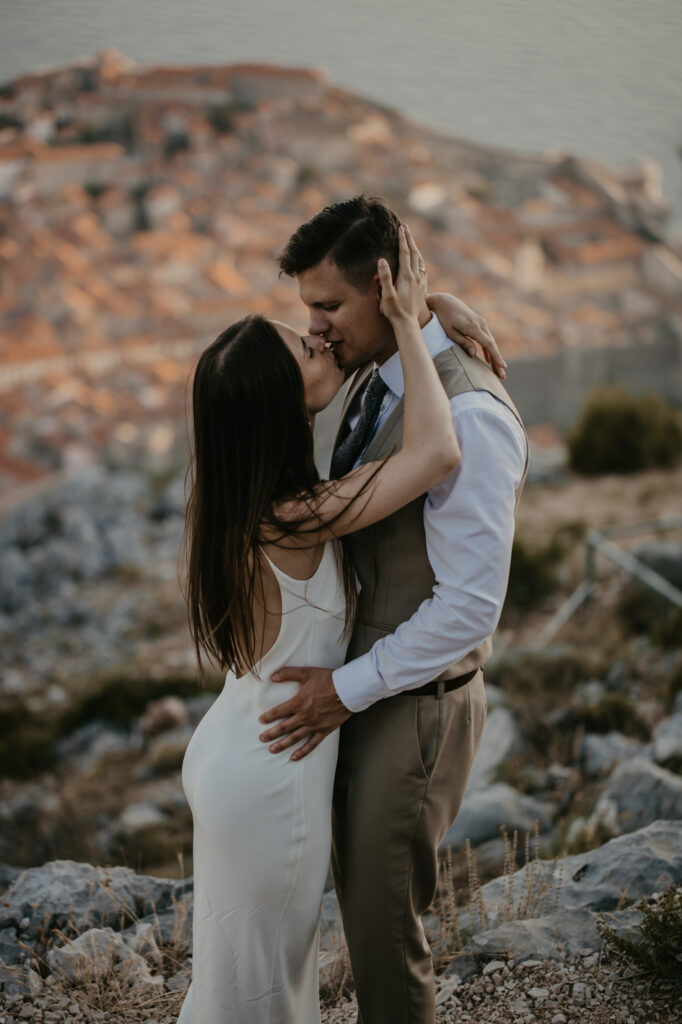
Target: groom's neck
391 346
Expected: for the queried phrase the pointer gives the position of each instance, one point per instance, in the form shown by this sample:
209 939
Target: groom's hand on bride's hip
311 715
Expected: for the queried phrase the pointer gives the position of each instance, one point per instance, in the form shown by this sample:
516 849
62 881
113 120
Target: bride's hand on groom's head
406 296
307 718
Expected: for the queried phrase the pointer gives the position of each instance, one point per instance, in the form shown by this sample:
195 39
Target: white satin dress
262 829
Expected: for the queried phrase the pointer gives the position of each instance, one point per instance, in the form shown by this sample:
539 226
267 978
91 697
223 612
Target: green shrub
120 699
621 433
613 713
534 568
658 952
26 742
158 845
138 195
87 79
307 173
122 129
674 684
28 738
10 121
221 117
94 189
532 573
640 609
537 677
668 631
176 142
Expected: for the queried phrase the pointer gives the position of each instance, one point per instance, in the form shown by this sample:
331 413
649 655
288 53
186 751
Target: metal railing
600 542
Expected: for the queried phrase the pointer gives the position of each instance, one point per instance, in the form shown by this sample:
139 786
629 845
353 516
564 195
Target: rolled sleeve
469 529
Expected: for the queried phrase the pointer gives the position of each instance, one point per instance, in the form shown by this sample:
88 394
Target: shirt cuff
358 683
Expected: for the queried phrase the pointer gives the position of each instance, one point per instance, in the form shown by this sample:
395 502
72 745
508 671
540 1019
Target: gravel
545 993
578 991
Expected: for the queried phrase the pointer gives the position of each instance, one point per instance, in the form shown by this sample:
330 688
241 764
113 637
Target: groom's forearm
418 652
469 528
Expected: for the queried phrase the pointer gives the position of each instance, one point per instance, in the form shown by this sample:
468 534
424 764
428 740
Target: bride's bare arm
429 449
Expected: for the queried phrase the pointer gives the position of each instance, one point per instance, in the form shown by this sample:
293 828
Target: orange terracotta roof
584 197
186 246
94 152
21 470
77 299
87 227
9 250
169 371
608 251
279 71
72 260
589 314
544 435
17 151
227 278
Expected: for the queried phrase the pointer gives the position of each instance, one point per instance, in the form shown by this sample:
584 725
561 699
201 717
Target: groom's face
345 317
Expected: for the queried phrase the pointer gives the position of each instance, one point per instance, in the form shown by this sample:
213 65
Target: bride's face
322 378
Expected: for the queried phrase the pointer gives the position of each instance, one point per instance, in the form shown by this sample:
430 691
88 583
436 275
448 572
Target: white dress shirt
469 528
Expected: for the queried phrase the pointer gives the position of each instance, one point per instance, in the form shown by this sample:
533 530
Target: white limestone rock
485 811
140 816
639 863
20 981
162 715
600 753
501 737
64 894
667 741
97 952
636 794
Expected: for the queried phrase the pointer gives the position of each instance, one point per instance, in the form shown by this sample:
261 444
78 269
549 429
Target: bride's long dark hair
252 448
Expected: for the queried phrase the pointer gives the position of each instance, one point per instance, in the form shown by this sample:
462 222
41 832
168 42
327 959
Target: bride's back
297 565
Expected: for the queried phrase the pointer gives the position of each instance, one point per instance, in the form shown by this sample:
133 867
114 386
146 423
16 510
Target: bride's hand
466 327
405 299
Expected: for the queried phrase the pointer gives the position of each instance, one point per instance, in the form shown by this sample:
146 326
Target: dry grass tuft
336 978
538 896
104 982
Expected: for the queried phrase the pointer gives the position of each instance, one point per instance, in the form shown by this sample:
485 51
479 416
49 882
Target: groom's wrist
358 684
339 702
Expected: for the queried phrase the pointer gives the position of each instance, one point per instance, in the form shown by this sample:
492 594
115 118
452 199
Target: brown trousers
402 770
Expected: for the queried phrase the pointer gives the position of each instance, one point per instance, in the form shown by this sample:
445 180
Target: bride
269 584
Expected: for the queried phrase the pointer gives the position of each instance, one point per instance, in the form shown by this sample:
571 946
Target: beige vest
390 557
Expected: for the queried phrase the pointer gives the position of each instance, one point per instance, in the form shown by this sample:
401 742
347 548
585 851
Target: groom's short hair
354 234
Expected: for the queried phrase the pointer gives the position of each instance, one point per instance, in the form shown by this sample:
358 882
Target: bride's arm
466 328
429 449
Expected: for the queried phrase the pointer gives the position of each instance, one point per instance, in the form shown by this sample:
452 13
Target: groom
410 699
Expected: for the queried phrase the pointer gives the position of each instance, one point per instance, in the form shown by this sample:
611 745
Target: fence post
589 565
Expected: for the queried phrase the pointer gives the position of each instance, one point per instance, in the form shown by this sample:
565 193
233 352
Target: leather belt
437 686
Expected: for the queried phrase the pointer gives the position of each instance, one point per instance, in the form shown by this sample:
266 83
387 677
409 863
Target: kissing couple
353 616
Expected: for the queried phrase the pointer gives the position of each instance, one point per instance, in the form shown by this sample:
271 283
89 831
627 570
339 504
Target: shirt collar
391 372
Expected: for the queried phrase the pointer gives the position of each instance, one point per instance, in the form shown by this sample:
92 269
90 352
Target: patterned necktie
346 455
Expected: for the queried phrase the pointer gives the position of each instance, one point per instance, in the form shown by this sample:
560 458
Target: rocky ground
576 787
88 944
546 993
